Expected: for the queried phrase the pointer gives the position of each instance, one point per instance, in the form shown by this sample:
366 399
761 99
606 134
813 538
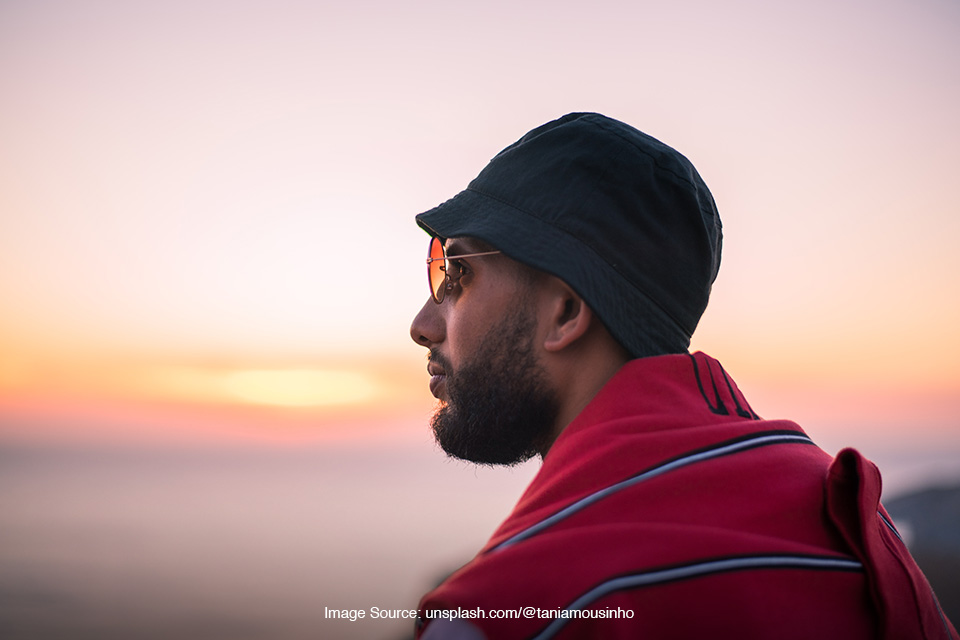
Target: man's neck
579 382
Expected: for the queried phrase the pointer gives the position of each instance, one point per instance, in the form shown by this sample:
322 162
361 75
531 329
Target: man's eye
455 269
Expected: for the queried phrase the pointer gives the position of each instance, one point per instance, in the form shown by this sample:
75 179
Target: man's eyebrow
461 246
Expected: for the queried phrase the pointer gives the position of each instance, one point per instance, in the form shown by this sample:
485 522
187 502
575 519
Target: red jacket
669 509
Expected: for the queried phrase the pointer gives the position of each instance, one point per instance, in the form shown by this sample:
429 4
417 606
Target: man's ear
569 317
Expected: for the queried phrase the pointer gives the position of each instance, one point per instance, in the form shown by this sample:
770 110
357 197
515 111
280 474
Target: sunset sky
206 208
213 422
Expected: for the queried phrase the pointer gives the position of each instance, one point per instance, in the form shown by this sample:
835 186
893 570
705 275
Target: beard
500 408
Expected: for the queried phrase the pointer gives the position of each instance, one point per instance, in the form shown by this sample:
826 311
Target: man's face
496 404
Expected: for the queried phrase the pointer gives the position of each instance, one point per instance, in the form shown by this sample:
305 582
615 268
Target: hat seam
655 158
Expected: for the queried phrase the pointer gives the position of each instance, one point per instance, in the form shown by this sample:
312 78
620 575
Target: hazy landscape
256 543
930 520
103 543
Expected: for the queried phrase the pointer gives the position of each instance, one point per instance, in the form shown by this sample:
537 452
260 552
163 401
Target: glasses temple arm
463 255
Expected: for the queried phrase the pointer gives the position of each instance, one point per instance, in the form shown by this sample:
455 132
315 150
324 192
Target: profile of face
496 404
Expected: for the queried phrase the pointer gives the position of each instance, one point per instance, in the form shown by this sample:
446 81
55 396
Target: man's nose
427 327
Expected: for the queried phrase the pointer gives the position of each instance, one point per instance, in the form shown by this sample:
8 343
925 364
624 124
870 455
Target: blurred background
212 418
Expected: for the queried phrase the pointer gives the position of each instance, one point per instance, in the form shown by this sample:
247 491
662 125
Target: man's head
607 243
621 217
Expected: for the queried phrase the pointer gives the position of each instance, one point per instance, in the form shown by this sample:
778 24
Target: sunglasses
443 271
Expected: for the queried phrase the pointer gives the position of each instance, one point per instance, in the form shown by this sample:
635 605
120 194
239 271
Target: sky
206 208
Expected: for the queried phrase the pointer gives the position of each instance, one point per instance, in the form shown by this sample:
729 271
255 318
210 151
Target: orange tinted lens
436 269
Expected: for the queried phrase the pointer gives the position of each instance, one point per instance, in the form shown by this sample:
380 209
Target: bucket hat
622 218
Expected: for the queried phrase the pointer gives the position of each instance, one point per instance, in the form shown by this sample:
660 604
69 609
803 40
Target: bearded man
565 284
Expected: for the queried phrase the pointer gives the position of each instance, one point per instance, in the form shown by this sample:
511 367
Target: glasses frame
439 293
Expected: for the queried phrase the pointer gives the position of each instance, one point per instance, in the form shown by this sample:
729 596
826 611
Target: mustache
437 357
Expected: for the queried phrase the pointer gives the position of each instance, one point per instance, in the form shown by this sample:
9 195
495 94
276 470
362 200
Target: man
566 281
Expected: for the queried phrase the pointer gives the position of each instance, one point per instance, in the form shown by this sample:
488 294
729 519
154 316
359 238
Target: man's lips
437 384
438 379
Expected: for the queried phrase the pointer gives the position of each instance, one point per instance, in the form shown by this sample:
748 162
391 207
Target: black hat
619 216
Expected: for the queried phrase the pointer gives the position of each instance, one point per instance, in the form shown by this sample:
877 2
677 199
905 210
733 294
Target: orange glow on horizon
301 387
330 383
158 405
322 399
81 398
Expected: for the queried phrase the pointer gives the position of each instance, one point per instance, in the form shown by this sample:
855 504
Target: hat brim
528 239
